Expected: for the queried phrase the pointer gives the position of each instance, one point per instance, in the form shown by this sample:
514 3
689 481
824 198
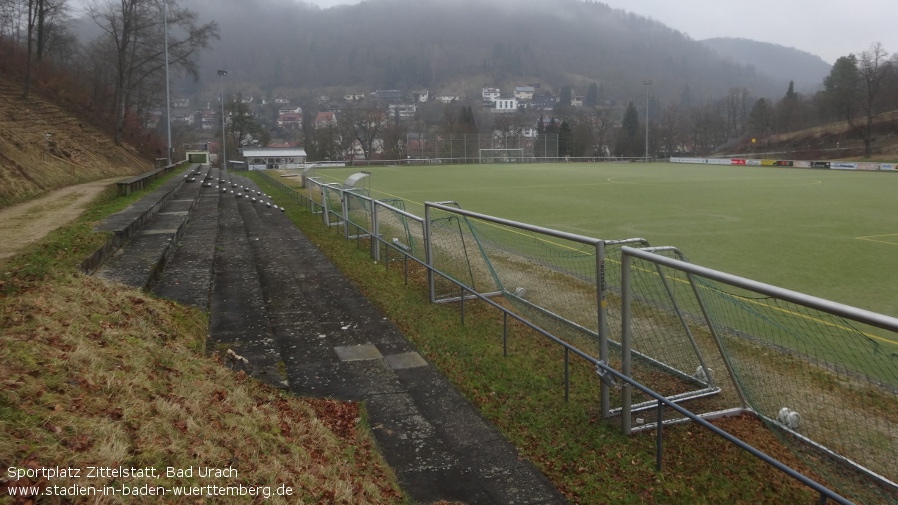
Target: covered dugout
261 158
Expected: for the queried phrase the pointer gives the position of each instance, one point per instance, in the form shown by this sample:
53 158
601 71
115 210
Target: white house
505 105
403 111
491 94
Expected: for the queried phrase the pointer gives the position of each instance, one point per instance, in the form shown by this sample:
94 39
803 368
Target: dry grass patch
96 374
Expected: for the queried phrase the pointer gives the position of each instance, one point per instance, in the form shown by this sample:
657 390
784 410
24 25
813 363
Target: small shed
261 158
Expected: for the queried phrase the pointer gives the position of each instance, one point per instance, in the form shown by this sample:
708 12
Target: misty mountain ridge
462 45
806 70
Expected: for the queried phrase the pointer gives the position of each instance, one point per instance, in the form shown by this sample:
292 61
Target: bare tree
603 121
394 145
365 127
29 30
854 89
241 127
738 107
134 29
873 69
669 129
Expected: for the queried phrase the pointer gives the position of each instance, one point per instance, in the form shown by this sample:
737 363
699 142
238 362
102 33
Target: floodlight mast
647 83
167 88
224 151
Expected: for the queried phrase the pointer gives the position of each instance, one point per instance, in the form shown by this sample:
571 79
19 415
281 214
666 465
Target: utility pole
647 83
224 150
167 89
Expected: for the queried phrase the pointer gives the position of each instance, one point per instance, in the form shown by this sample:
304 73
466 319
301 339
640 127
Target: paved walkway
276 300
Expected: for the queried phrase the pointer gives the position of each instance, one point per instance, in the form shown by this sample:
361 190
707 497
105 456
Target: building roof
273 152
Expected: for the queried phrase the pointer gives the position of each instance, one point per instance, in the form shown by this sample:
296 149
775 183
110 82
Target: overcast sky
827 28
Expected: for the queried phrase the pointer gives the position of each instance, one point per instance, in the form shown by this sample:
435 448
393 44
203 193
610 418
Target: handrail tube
839 309
378 203
686 413
515 224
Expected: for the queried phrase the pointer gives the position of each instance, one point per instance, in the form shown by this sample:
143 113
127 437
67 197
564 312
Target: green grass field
831 234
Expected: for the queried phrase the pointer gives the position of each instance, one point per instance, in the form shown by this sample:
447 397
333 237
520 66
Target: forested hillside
805 69
600 74
462 45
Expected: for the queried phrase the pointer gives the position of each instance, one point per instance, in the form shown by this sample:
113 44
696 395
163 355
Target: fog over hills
461 45
806 69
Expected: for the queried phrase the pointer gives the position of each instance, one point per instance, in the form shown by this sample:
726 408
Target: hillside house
325 119
544 102
403 111
210 119
505 105
490 94
422 96
182 116
354 97
388 95
448 98
291 120
524 92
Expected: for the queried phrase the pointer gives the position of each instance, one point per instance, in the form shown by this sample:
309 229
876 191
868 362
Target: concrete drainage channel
276 302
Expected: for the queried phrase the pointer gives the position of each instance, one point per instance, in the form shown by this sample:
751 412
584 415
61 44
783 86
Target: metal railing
608 375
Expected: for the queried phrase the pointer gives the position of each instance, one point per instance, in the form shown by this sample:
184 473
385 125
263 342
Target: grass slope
96 374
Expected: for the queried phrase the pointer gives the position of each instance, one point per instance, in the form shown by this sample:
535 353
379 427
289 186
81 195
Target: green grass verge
589 460
95 374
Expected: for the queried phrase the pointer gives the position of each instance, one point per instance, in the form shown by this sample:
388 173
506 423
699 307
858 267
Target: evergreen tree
790 93
592 96
630 123
629 137
467 123
564 97
760 118
564 139
841 87
789 110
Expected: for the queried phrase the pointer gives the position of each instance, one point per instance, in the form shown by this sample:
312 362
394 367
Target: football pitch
826 233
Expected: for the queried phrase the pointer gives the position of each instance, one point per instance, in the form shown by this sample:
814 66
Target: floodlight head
222 73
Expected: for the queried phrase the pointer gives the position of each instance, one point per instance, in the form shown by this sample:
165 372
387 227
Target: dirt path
28 222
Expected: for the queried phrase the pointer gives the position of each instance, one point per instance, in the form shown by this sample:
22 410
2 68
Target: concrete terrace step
238 317
187 276
280 304
333 342
146 232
